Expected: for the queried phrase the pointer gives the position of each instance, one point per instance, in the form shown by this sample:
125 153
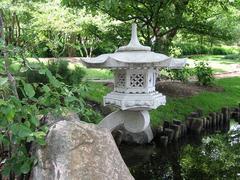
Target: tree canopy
161 20
90 27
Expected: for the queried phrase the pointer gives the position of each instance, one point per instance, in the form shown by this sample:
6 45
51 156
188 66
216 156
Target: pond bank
178 160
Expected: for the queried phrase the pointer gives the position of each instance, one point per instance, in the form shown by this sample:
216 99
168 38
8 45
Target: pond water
206 156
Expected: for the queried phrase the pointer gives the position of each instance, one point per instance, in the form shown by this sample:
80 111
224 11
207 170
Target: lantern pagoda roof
132 55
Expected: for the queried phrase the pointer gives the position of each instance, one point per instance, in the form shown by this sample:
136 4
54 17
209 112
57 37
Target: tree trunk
71 50
163 42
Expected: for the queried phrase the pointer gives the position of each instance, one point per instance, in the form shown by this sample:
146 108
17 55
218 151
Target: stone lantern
135 70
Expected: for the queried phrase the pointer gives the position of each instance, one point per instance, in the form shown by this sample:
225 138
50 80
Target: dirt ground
179 89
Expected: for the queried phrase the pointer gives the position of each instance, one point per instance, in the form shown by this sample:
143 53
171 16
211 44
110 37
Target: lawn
101 74
178 108
219 63
95 92
223 59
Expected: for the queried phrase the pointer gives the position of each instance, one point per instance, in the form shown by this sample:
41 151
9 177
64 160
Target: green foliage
60 70
22 113
19 127
217 158
76 75
47 29
204 74
96 91
220 59
161 21
222 51
99 74
180 74
235 57
175 51
21 118
193 48
33 76
196 48
202 71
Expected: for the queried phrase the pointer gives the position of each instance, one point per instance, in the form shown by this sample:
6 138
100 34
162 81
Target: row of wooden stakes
196 123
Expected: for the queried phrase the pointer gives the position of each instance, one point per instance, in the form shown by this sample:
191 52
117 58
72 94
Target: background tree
161 20
47 29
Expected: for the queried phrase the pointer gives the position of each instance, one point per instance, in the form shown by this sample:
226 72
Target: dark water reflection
152 162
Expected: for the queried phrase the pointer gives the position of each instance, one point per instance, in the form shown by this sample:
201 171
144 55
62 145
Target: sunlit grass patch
179 108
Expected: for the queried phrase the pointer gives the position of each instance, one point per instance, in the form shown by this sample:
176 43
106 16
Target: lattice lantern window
137 80
120 81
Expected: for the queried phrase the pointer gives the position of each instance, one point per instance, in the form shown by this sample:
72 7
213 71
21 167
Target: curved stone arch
134 121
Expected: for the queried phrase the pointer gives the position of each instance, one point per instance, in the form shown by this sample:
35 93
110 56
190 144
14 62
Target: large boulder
79 151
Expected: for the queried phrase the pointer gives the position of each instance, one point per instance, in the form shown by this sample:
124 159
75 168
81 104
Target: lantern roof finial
133 55
134 44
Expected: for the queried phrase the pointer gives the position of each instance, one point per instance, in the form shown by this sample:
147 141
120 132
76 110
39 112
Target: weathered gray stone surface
79 151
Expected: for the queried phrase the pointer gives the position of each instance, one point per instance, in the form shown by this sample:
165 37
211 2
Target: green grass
98 74
179 108
101 74
207 57
217 70
223 59
95 92
219 63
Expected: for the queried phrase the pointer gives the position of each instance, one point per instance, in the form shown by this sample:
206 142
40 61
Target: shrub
235 57
204 74
76 75
180 74
32 76
175 51
22 116
60 70
68 76
220 51
216 158
195 48
191 48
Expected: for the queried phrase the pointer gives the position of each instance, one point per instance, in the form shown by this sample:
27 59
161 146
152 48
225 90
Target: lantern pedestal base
133 121
135 102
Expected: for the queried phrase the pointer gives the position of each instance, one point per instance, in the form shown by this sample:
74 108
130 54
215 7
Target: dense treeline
87 27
